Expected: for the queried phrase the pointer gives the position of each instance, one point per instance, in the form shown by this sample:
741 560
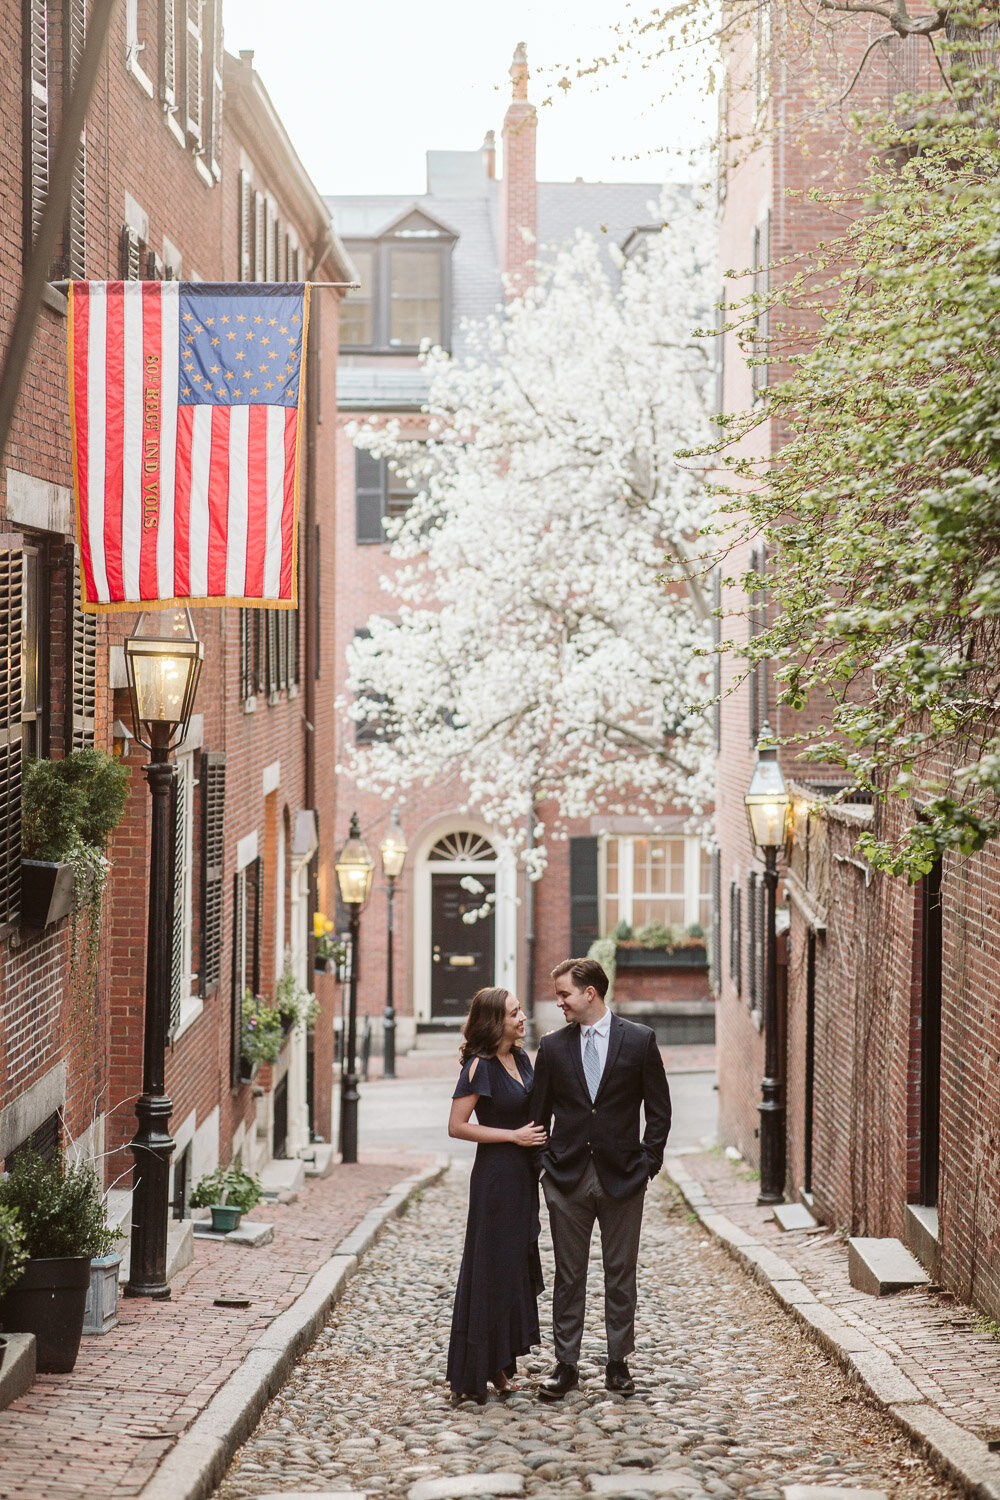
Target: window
84 630
761 287
759 708
715 951
11 617
251 656
405 289
34 654
379 493
183 996
717 659
756 921
36 117
735 937
665 880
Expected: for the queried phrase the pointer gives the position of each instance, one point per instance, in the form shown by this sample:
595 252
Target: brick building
426 264
889 1022
186 173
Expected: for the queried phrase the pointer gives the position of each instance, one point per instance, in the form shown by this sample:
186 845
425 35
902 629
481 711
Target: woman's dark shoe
458 1396
618 1379
560 1379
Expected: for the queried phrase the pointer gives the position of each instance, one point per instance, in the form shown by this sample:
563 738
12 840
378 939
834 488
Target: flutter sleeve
479 1085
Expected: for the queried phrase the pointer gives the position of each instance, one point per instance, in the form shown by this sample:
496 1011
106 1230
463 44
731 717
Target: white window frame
133 46
626 890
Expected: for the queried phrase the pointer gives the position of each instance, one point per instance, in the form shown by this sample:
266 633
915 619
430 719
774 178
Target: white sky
365 89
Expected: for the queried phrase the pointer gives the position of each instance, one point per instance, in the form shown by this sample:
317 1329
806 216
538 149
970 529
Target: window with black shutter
753 897
245 226
271 652
369 497
131 254
247 897
168 52
193 113
259 236
756 624
83 688
213 811
717 658
74 257
213 124
251 653
11 612
716 950
35 73
761 287
735 937
181 874
584 919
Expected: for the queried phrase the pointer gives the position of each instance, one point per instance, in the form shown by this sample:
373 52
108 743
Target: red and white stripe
225 477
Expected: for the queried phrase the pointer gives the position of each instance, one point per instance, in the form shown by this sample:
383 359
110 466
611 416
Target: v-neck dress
496 1304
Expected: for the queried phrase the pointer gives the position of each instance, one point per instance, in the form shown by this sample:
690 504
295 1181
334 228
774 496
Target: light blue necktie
591 1063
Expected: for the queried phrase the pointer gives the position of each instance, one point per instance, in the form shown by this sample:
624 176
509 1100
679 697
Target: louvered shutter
11 588
213 44
246 227
239 950
36 114
717 659
584 915
75 258
716 952
213 812
293 647
254 919
192 74
131 254
753 894
179 980
270 242
168 53
259 236
735 937
761 287
369 496
271 651
84 685
284 624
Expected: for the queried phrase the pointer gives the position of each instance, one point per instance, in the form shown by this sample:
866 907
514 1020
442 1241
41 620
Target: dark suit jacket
605 1130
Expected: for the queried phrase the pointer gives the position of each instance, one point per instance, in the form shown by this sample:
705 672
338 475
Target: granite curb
199 1459
958 1453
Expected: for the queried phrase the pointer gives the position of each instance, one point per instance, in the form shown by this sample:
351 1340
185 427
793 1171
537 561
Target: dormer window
404 294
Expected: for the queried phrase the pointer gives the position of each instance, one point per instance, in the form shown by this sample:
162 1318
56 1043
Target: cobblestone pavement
732 1399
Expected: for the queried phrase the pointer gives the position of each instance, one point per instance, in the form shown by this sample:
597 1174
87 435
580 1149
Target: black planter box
46 891
659 958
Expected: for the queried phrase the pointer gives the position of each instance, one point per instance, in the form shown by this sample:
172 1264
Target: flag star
237 393
186 391
230 335
265 340
214 370
295 318
240 318
198 328
189 339
196 379
239 354
253 390
209 322
225 320
230 375
258 319
272 321
214 343
293 340
249 333
269 384
221 391
282 329
187 317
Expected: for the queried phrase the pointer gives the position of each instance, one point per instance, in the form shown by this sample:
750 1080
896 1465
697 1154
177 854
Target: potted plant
229 1193
330 950
659 946
69 809
61 1211
263 1034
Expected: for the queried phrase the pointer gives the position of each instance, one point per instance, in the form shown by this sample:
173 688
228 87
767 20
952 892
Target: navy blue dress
496 1304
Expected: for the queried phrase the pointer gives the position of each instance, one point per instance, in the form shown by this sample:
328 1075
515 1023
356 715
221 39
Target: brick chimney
518 189
489 149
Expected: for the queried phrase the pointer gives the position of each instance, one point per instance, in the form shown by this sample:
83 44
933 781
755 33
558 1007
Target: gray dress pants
571 1216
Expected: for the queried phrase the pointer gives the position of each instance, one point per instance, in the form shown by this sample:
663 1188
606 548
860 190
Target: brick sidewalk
102 1430
930 1337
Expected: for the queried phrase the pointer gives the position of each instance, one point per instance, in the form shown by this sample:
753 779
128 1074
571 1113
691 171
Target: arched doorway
459 872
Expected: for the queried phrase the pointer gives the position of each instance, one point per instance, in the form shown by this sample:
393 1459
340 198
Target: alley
732 1399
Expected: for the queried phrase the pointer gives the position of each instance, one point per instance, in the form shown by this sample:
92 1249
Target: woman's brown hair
484 1025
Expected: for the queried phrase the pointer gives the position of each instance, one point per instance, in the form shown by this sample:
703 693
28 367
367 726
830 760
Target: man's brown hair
583 972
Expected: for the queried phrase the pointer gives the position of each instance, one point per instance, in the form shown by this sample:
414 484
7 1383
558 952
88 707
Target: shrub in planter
229 1189
61 1212
263 1030
13 1256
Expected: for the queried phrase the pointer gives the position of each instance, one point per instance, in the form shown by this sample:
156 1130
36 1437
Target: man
590 1080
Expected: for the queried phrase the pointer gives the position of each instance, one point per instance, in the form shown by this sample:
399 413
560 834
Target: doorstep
18 1369
180 1249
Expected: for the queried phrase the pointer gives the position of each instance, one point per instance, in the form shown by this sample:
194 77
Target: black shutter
178 979
271 651
11 587
168 53
753 896
254 919
584 916
236 1070
131 254
717 659
735 937
213 46
35 70
75 256
84 684
716 951
213 810
369 496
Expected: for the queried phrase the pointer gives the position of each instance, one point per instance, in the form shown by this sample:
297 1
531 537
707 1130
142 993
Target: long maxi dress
496 1304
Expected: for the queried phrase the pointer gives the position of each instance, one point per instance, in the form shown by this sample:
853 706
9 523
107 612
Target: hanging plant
263 1031
296 1004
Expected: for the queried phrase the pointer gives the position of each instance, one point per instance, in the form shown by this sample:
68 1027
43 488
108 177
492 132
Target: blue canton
241 345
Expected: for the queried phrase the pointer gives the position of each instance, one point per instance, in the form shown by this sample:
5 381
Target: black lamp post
163 662
767 805
393 854
355 868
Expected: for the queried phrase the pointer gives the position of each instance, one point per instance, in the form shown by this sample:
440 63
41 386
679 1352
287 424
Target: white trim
505 914
246 851
271 778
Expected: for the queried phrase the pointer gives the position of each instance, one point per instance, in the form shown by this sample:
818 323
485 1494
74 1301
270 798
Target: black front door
461 952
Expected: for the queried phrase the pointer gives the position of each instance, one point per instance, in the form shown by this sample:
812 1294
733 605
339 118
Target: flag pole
64 286
36 276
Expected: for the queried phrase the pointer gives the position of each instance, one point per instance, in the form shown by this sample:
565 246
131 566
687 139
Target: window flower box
47 888
634 956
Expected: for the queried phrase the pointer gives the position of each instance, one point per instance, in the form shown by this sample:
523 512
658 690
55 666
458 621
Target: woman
496 1305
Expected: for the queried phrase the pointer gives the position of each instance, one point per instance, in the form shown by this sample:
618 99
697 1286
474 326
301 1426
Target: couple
577 1118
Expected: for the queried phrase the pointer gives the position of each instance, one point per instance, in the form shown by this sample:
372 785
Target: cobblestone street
732 1399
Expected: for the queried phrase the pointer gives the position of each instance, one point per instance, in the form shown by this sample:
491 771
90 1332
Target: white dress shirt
602 1035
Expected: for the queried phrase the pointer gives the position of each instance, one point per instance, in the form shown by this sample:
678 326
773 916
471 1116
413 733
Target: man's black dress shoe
618 1379
561 1378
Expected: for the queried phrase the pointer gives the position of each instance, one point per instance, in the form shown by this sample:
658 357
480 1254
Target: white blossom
546 626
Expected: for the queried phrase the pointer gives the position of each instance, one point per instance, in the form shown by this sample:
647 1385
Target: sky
365 89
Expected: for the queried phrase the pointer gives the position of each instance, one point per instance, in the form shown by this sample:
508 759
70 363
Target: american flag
185 402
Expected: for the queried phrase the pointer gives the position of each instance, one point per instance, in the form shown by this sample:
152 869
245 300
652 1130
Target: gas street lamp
767 804
354 868
163 659
393 854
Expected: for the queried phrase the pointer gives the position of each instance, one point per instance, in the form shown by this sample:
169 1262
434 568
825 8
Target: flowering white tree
548 616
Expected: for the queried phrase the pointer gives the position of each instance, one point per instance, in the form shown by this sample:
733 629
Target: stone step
318 1159
180 1248
882 1266
794 1216
282 1175
18 1369
250 1232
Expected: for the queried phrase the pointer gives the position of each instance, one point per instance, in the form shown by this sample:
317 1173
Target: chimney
489 150
518 190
